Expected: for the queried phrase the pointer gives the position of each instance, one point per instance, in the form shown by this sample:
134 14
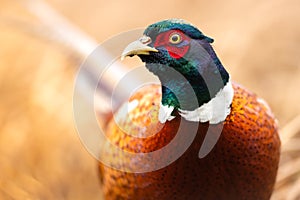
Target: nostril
145 39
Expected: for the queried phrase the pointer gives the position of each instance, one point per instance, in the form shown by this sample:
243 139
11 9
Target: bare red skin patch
175 50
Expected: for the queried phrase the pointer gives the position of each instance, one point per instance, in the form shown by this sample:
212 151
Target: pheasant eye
175 38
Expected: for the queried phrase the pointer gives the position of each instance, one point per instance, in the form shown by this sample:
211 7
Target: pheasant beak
138 47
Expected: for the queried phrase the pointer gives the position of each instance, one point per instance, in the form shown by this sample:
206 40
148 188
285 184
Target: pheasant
235 146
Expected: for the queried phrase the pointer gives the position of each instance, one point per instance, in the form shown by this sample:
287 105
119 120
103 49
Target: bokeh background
41 156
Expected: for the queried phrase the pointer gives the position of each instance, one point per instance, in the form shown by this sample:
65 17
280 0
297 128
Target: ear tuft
208 39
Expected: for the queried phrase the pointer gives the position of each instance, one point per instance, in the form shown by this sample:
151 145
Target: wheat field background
41 156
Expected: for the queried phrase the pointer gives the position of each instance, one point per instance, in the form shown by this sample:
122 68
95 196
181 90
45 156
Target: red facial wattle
175 50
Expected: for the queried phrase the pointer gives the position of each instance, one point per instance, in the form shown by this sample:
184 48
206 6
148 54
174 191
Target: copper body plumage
242 165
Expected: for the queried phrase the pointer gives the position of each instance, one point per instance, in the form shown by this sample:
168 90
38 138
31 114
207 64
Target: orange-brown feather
242 165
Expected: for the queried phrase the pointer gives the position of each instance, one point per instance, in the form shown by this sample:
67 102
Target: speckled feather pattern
242 165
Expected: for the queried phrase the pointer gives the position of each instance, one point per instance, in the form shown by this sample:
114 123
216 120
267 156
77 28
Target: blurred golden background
41 156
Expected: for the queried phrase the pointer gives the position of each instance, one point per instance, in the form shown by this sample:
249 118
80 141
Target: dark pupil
175 38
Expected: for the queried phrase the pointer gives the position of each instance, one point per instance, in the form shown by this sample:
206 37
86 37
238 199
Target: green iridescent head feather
186 27
198 67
